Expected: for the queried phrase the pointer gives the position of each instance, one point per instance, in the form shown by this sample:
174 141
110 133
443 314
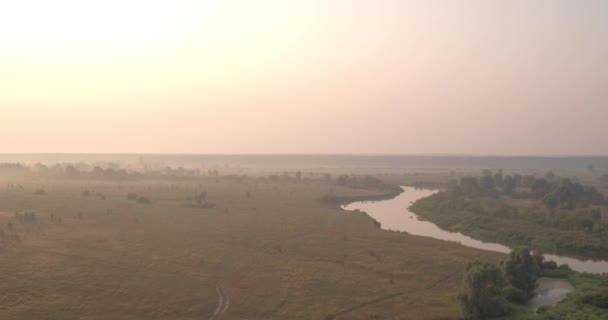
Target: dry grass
280 254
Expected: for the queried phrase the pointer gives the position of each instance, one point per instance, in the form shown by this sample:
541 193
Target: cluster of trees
11 230
12 167
566 194
361 182
487 288
552 191
26 217
285 176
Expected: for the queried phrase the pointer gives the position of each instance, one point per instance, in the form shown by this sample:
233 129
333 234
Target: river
393 214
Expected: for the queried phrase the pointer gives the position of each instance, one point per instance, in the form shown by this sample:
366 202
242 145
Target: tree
469 185
517 179
481 295
521 269
508 184
498 177
596 215
551 201
487 183
540 188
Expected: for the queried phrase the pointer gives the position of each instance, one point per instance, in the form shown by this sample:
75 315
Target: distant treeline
552 191
114 171
106 171
366 182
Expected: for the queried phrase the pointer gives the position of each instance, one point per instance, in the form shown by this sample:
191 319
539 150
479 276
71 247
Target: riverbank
394 215
586 300
342 200
513 223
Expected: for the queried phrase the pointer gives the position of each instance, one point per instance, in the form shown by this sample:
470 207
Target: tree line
552 191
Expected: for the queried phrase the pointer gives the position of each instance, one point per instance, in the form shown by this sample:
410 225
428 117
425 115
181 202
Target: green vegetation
587 301
270 245
548 214
482 296
487 289
385 191
521 269
490 292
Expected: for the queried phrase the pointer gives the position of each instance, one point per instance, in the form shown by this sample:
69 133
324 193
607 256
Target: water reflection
550 291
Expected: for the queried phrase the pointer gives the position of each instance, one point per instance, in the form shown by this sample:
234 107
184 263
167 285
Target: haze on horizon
278 76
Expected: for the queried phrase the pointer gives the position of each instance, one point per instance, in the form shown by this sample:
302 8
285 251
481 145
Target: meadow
79 248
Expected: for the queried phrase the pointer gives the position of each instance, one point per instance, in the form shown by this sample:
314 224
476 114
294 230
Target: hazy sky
314 76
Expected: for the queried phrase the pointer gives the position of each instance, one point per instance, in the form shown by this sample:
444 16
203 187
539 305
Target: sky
285 76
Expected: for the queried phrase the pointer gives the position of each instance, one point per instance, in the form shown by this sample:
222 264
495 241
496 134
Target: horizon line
361 154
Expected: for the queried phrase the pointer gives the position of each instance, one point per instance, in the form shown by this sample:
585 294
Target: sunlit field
273 248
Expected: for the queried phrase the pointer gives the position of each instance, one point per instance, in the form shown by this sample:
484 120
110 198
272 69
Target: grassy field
272 249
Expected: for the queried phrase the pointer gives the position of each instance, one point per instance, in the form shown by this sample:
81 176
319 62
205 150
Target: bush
132 196
143 200
549 265
207 205
515 295
543 309
40 192
597 299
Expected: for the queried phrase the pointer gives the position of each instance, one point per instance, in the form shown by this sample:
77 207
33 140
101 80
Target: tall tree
508 184
521 269
481 295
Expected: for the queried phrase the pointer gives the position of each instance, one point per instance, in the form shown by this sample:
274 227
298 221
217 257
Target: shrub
597 299
207 205
515 295
143 200
549 265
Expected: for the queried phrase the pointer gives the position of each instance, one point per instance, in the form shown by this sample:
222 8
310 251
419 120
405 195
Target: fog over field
285 159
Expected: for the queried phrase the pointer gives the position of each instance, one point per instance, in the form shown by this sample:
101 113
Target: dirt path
222 304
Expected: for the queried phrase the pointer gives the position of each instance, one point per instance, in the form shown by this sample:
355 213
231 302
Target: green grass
279 254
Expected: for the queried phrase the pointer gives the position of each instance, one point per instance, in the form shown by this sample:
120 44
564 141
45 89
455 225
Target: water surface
393 214
550 292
